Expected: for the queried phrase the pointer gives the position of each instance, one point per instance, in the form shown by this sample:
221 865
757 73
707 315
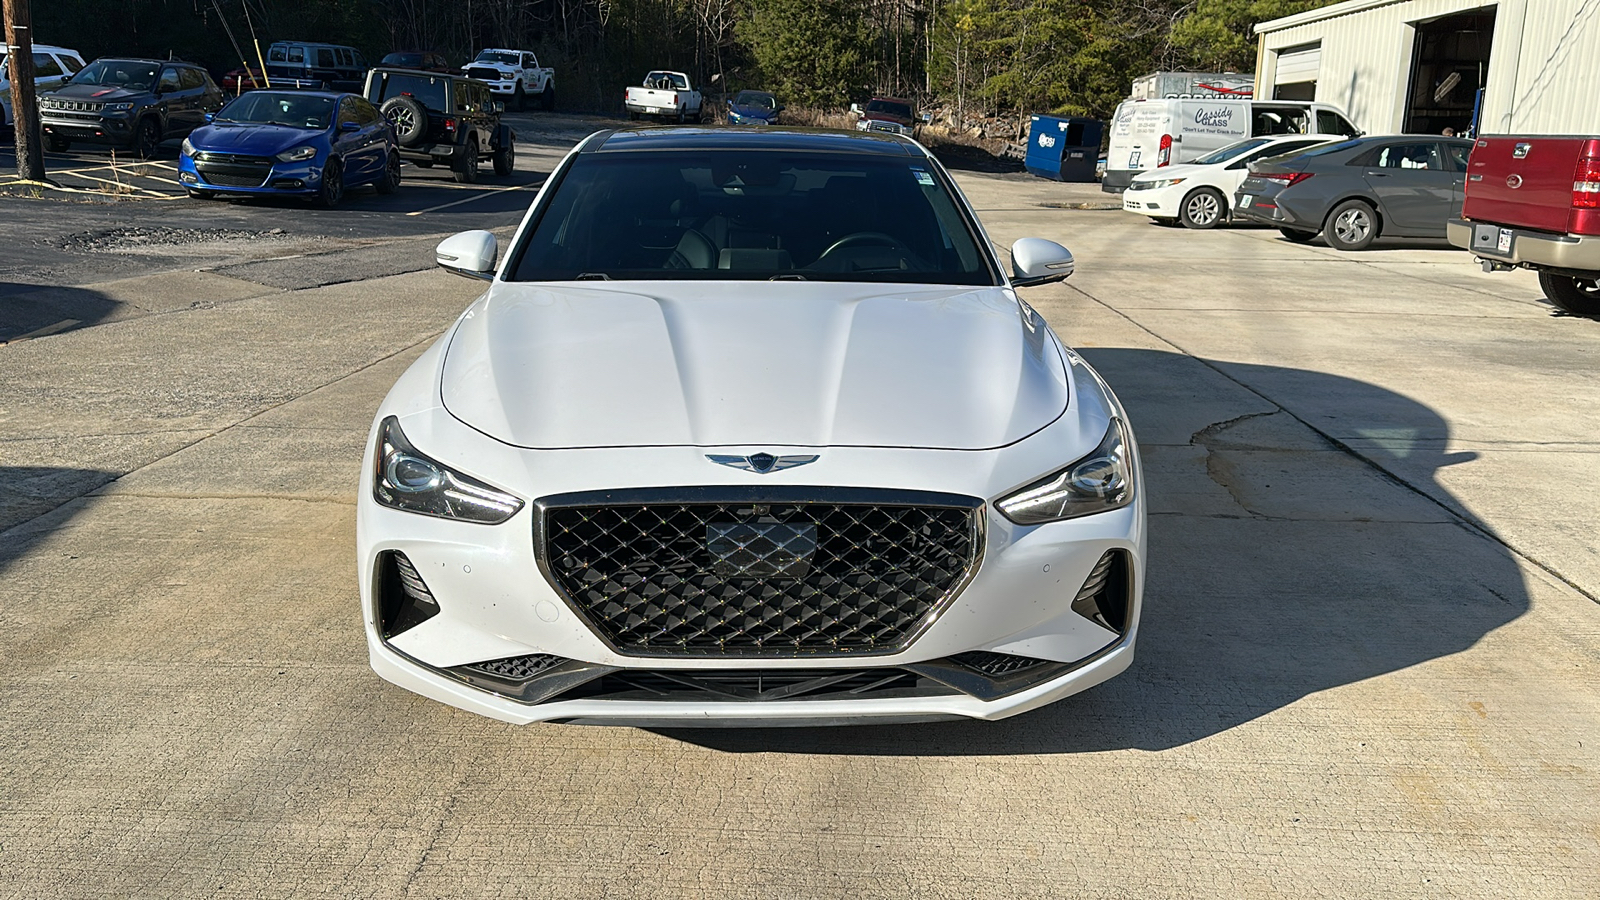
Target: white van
1148 134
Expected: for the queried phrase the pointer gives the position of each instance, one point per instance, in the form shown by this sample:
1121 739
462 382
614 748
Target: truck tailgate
1524 181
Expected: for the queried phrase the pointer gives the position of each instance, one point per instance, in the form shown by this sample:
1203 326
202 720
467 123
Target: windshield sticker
922 177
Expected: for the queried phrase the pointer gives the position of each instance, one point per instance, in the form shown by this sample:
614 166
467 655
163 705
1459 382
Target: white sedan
1196 194
750 429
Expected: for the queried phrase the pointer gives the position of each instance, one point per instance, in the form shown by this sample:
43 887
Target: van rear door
1136 134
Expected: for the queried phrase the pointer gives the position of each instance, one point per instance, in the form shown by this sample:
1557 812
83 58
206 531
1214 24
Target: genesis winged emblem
761 463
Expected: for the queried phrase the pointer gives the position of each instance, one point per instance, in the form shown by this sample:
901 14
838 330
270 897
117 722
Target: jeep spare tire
409 118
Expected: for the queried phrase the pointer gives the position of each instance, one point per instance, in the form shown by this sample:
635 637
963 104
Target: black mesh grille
995 664
758 685
483 74
518 668
773 576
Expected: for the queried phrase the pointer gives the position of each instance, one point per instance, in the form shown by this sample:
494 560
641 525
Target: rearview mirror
1036 261
470 254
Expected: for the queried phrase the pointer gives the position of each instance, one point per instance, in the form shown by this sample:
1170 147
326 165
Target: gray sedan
1356 190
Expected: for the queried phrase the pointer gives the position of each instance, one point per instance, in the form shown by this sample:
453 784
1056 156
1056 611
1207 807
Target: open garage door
1298 68
1449 64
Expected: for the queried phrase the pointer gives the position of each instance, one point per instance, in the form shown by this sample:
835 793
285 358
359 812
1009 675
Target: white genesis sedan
750 428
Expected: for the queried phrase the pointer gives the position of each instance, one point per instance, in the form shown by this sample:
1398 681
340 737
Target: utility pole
24 108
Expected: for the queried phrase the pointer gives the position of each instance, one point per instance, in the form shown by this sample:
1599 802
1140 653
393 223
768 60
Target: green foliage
1219 35
812 52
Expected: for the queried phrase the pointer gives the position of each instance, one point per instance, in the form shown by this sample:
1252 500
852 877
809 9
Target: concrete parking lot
1370 663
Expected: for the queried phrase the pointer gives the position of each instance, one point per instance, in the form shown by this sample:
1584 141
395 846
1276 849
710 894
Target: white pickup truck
515 75
665 95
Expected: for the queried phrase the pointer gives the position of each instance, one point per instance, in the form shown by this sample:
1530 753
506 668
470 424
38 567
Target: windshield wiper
788 278
593 276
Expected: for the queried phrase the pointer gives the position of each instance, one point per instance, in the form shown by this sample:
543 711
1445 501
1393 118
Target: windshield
499 56
755 98
752 215
666 81
135 76
889 108
410 60
1232 151
274 108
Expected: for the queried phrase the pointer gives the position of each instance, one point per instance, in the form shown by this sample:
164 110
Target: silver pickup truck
665 96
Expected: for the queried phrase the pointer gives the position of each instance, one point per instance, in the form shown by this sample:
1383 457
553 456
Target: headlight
861 124
116 107
407 479
187 148
1160 183
1099 482
298 154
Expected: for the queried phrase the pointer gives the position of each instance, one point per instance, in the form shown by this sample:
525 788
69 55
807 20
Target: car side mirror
778 109
470 254
66 78
210 117
497 107
1037 261
349 126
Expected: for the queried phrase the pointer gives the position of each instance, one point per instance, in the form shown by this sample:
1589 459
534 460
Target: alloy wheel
1202 209
1353 226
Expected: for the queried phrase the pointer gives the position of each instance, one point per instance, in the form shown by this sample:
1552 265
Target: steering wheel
868 238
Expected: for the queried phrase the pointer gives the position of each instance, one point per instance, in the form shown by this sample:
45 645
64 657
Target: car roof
140 59
809 139
329 95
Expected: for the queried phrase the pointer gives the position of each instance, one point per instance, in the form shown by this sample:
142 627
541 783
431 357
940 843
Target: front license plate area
761 549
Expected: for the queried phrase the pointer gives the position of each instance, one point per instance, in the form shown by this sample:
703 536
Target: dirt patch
192 242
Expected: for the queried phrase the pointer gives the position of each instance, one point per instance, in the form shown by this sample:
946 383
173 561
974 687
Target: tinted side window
169 81
325 58
73 64
45 66
1455 156
344 57
191 79
297 54
365 112
463 96
1333 123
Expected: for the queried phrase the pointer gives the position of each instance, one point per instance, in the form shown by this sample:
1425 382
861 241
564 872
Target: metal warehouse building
1419 66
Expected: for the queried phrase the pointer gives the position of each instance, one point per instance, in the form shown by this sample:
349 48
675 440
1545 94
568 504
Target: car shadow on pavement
34 491
40 309
1280 565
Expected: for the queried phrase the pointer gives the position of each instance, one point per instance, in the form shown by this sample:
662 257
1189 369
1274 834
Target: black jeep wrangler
441 118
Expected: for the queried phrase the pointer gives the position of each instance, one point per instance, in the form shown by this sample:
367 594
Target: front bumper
1159 203
115 130
495 602
281 178
1569 253
1115 181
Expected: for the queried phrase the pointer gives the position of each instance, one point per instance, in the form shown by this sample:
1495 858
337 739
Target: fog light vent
995 665
1105 594
518 668
404 600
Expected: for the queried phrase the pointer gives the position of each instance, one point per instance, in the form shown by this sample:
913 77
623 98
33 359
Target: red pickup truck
1534 203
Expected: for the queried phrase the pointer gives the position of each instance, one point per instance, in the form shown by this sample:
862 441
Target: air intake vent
404 601
1105 594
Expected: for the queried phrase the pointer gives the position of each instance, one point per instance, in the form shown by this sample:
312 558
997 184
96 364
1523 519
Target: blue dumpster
1064 148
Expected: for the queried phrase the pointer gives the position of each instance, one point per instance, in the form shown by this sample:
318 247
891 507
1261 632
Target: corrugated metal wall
1544 68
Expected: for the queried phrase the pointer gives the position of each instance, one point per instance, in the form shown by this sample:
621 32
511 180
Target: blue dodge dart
312 144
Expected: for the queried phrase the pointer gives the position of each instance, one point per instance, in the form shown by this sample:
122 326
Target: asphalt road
1368 667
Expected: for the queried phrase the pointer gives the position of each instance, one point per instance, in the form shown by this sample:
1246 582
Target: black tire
1203 208
332 189
519 100
423 163
465 170
547 98
634 116
1297 235
1352 225
505 155
409 119
681 115
146 138
390 182
56 144
1579 296
200 195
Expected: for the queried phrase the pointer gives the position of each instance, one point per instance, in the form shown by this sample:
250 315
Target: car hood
753 112
741 363
259 140
104 93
